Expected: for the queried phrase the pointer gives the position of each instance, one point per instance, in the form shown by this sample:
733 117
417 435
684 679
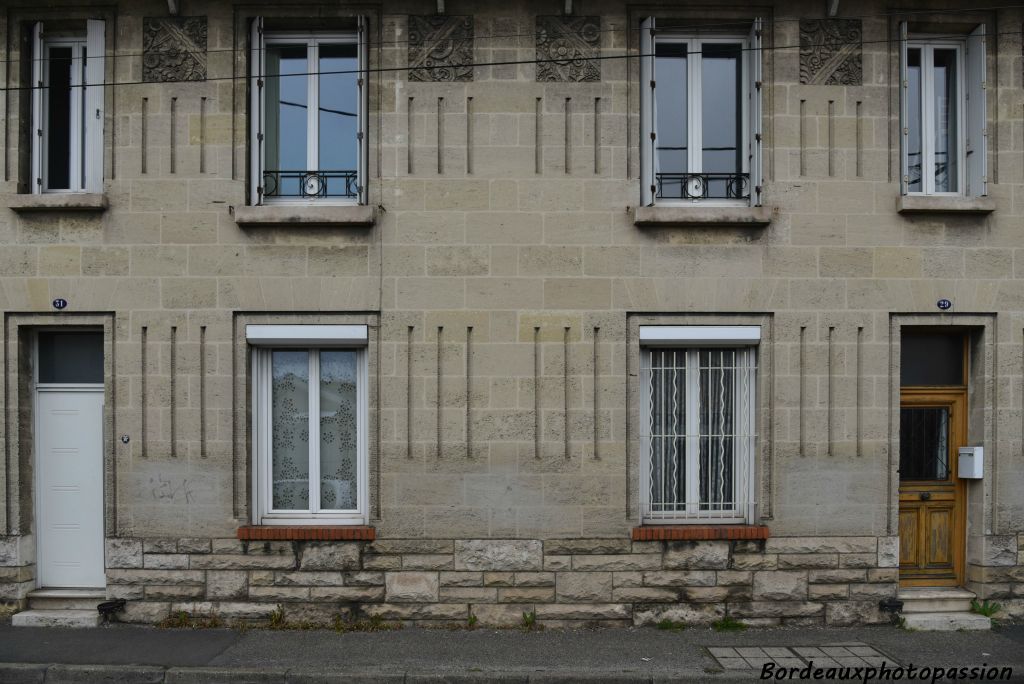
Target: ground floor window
698 432
310 434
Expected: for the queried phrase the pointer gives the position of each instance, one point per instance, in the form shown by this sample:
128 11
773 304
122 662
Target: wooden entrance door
933 425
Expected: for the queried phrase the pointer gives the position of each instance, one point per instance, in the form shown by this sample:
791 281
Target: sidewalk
144 654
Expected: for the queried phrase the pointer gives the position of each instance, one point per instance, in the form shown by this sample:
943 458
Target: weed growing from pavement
471 622
728 624
671 625
986 608
529 621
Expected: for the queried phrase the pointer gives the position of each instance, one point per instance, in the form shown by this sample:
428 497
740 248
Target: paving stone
723 652
778 652
751 652
733 663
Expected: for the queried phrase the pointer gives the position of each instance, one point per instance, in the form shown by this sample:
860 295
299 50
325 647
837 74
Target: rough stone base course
611 581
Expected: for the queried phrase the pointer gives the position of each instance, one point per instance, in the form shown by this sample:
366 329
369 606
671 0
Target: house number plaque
59 303
944 304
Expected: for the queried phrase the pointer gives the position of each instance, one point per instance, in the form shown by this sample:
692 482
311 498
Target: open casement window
943 115
308 115
697 424
67 110
309 425
701 117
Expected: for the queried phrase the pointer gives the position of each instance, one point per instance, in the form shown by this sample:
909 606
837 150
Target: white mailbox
971 463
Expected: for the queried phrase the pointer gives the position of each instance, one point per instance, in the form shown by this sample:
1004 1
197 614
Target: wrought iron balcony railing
304 184
702 186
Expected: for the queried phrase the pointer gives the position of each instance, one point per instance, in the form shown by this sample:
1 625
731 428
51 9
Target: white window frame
972 132
259 40
691 340
750 110
265 340
85 161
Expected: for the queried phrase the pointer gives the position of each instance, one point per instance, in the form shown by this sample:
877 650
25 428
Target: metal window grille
698 434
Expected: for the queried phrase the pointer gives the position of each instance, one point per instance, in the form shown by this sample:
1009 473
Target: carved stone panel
568 48
440 48
830 52
173 49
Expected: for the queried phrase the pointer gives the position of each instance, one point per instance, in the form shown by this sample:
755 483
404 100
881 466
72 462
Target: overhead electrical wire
621 29
516 62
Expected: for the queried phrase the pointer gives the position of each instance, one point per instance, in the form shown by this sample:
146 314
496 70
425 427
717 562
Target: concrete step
56 618
939 600
946 622
66 599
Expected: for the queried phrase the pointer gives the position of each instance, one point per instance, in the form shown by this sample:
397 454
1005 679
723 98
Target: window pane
338 430
72 357
717 433
286 127
671 121
721 116
290 429
946 121
339 124
915 155
668 430
931 359
58 119
924 443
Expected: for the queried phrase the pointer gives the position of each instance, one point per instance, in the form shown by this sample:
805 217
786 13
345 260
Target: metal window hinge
654 189
259 82
359 135
259 137
652 82
653 135
758 33
757 137
757 85
39 132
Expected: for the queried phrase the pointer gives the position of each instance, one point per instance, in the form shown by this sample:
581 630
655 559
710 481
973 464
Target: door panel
69 461
931 527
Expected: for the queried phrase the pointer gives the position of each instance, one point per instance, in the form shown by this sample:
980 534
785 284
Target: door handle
926 496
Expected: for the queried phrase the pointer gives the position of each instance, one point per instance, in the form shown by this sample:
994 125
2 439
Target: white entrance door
69 503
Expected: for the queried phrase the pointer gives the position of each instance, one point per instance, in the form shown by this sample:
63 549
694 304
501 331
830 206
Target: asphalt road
639 650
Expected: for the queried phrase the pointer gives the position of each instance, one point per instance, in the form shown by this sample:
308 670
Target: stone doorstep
66 599
945 622
56 618
936 600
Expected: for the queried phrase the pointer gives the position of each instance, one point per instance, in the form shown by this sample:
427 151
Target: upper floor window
701 116
67 109
943 113
309 113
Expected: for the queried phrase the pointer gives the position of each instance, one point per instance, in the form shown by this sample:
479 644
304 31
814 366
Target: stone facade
503 279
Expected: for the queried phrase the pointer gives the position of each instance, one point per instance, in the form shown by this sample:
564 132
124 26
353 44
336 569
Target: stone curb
37 673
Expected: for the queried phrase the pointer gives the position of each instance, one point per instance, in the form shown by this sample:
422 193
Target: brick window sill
58 201
307 533
699 532
284 215
697 215
922 204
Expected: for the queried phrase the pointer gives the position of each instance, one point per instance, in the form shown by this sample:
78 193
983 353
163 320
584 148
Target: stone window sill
923 204
283 215
59 201
699 532
697 215
307 533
